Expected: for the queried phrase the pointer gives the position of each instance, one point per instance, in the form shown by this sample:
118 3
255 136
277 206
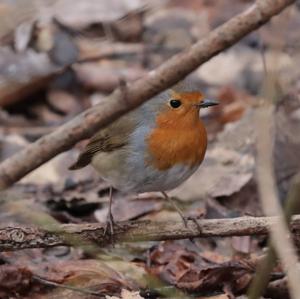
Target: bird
153 148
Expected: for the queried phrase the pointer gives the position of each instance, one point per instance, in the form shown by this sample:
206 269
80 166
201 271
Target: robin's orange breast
177 141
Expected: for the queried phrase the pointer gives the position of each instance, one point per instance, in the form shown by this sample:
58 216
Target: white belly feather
126 170
131 174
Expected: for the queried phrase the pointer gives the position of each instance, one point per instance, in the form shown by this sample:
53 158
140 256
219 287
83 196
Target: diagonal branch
169 73
15 237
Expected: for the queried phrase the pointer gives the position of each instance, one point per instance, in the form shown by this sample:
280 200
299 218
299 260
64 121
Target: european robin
155 147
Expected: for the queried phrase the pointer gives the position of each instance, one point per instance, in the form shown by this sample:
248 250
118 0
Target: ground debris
193 272
58 58
14 280
127 295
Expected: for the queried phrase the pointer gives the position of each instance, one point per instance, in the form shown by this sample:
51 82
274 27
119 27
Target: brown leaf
221 296
223 172
278 289
14 280
90 275
241 244
125 294
234 104
192 272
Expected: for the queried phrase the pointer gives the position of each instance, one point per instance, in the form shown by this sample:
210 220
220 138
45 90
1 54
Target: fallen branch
172 71
17 237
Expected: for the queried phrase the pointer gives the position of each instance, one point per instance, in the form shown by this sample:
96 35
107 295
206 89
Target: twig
172 71
270 200
265 267
265 148
16 237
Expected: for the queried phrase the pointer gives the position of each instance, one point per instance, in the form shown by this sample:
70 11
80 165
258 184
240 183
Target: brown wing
109 139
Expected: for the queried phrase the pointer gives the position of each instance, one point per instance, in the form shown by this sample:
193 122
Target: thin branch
16 237
169 73
265 171
270 200
265 267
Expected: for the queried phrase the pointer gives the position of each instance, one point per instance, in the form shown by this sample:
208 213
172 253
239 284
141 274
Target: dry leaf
92 275
221 296
14 280
190 271
125 294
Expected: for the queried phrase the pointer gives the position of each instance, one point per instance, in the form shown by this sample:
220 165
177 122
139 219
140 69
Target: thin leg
109 219
184 218
165 195
110 202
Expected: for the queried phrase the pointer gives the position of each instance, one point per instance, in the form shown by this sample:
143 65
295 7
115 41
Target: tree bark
17 237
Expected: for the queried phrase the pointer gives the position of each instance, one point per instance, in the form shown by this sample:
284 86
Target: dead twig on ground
16 237
172 71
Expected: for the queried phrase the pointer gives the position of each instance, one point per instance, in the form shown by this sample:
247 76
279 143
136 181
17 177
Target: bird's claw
109 225
195 219
185 220
109 229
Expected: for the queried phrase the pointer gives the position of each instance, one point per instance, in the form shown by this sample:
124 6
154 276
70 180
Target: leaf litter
41 88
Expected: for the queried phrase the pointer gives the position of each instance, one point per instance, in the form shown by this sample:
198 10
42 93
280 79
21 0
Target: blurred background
60 57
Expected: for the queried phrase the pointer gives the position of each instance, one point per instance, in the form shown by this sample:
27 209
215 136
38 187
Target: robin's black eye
175 103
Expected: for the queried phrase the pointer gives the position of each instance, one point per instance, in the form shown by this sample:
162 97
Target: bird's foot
194 219
110 225
184 219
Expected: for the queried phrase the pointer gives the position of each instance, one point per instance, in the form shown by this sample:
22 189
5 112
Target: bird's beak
207 103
